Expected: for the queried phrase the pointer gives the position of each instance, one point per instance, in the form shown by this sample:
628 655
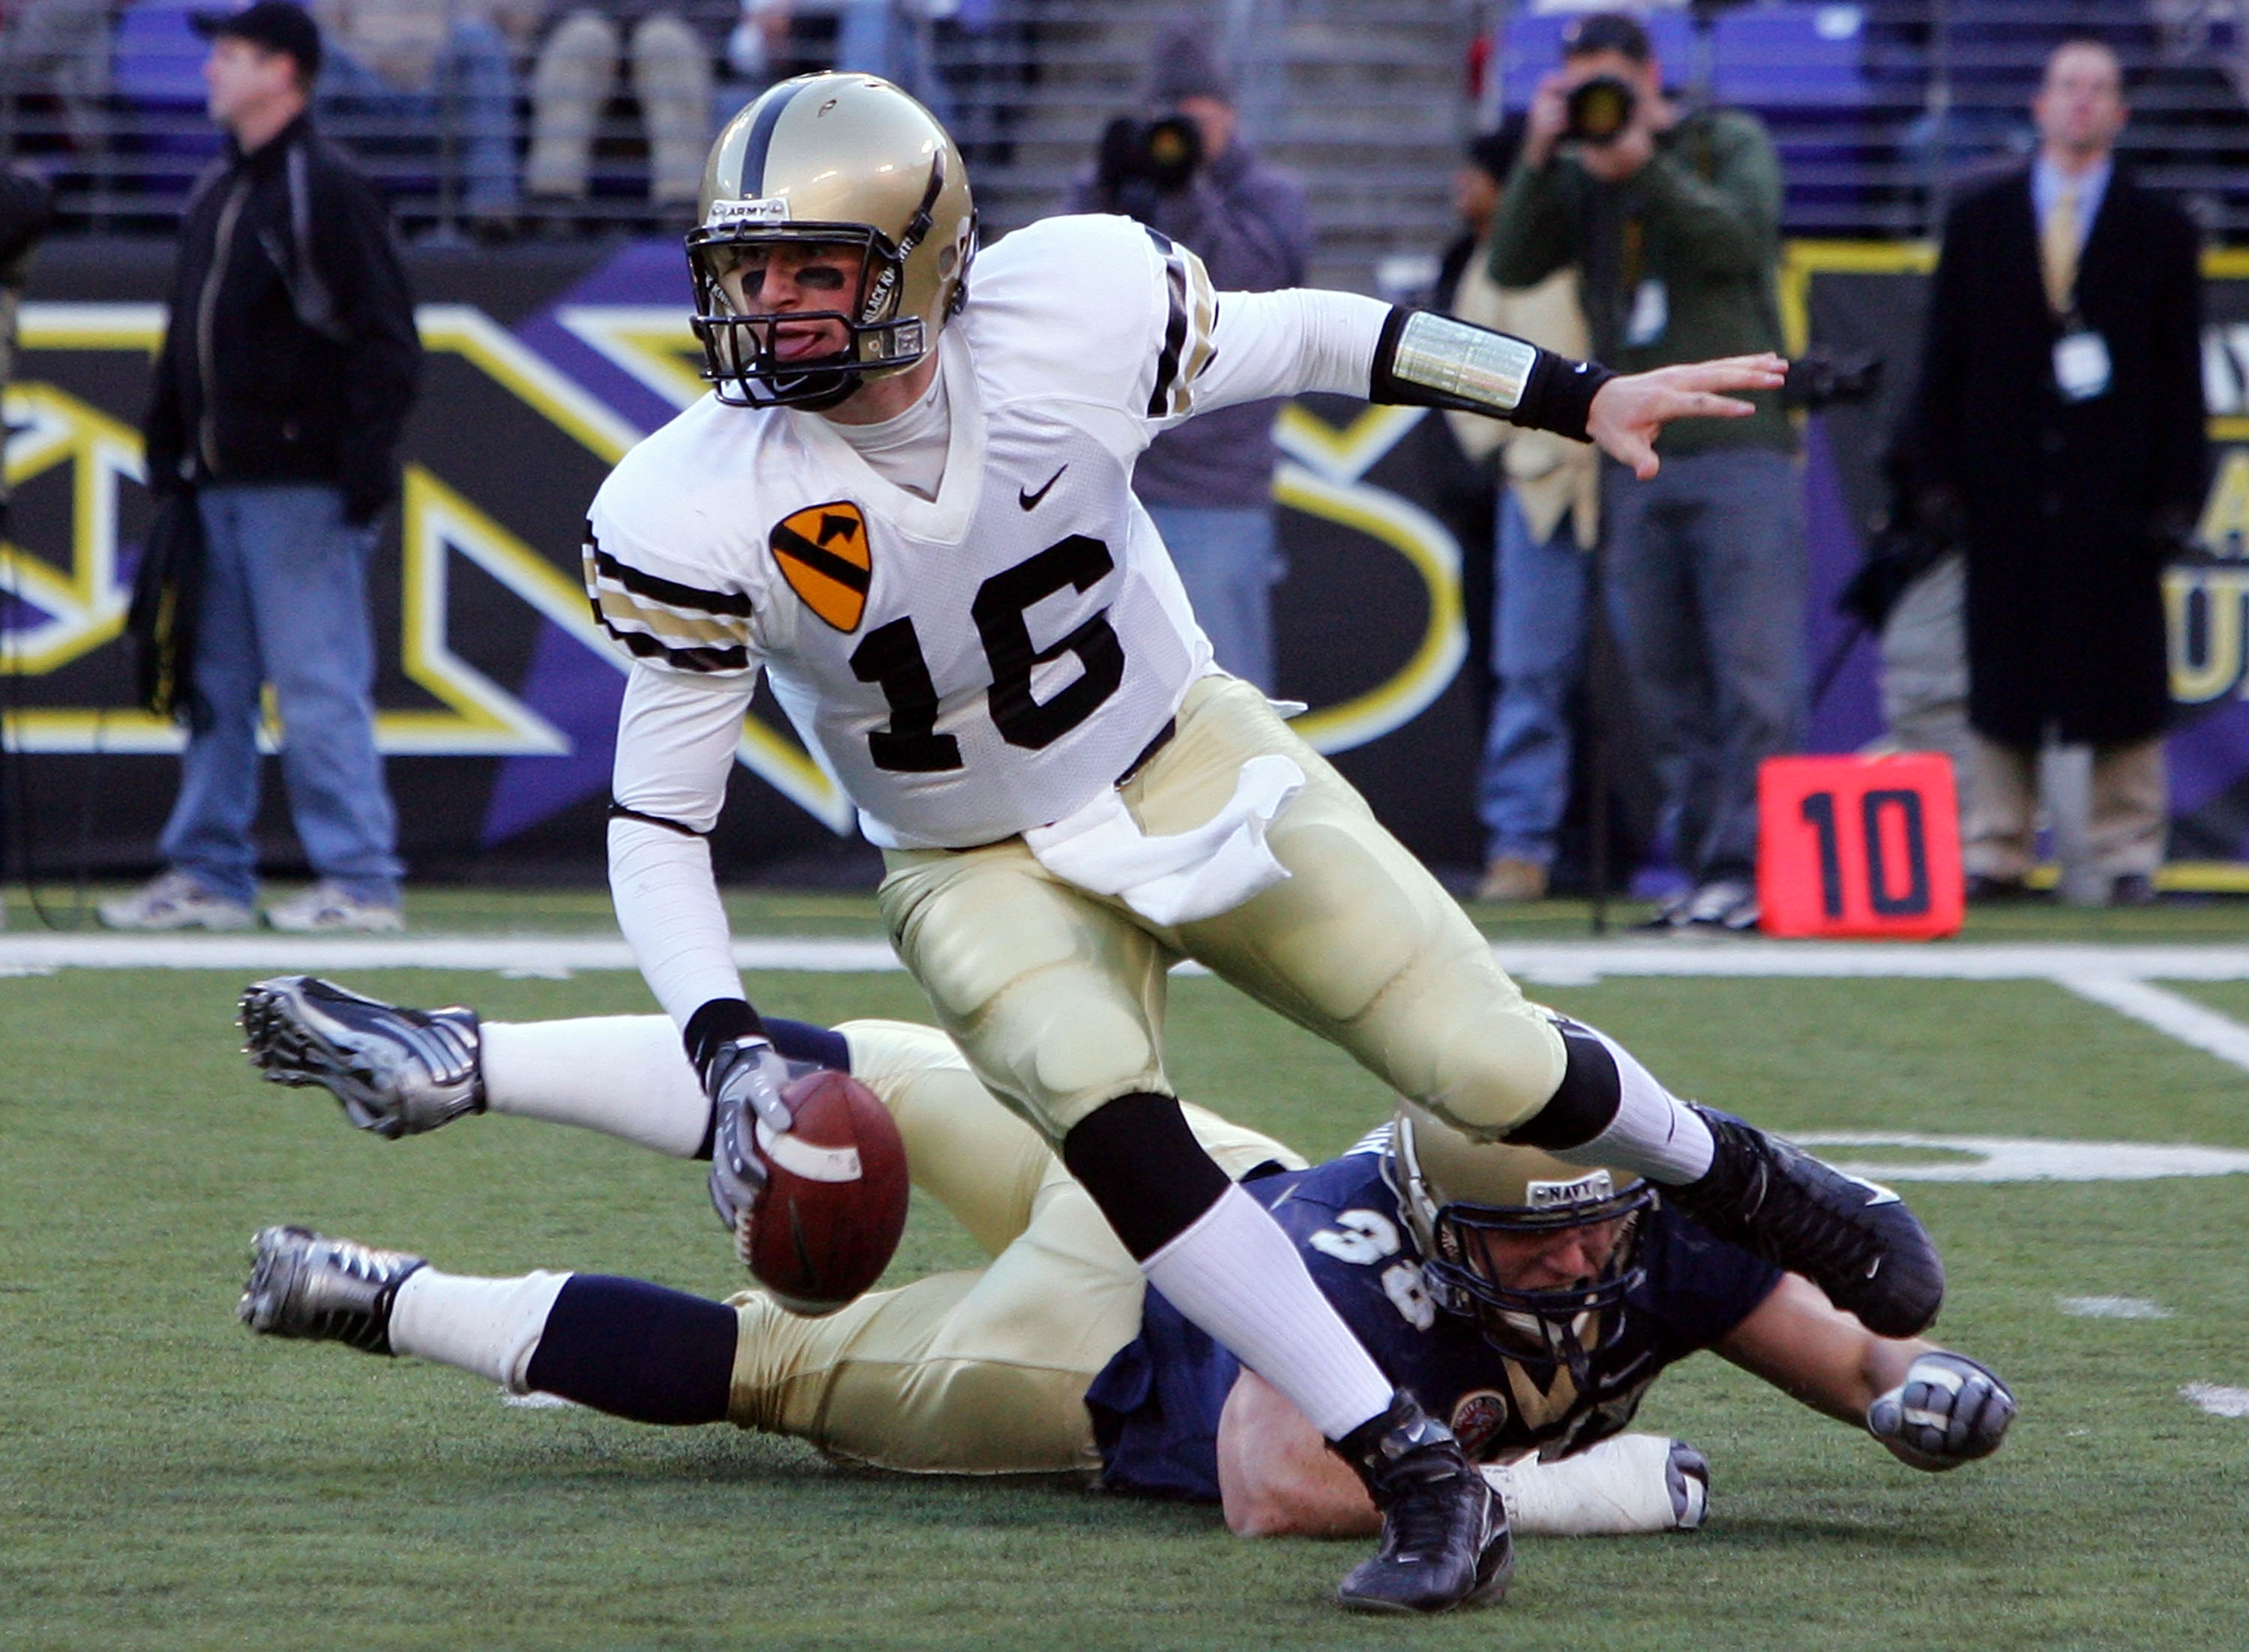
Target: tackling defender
908 503
1528 1303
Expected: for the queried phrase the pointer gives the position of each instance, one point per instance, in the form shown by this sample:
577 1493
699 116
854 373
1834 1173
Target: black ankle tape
1585 1103
1143 1167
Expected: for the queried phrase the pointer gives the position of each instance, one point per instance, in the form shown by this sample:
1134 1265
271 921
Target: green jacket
1692 241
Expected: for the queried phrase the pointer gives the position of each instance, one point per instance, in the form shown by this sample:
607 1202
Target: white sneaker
326 906
175 901
1725 904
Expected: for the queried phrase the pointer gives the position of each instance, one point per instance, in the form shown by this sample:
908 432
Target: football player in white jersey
907 504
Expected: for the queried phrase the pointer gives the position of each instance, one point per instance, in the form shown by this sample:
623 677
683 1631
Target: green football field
167 1480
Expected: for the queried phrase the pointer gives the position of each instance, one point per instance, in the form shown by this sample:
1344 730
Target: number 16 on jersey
1864 847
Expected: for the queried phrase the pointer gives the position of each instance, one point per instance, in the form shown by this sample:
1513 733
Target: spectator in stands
416 70
1672 217
575 76
1549 519
285 374
1210 487
59 47
2059 425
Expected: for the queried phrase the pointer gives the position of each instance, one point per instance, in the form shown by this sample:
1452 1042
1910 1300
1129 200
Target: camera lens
1600 109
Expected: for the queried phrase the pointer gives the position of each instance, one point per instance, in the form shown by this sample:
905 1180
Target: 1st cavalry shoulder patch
822 552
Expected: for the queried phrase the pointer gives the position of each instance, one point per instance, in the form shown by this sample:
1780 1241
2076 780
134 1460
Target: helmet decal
723 213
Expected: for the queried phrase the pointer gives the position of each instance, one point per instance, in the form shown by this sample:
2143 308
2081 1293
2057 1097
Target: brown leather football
835 1199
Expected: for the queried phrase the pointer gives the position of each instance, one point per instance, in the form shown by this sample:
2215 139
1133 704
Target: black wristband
1559 396
717 1024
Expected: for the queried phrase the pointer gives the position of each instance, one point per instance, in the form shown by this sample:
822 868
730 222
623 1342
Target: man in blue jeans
285 378
1548 522
1672 216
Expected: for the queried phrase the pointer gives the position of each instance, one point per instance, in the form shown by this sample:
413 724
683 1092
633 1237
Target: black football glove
1947 1411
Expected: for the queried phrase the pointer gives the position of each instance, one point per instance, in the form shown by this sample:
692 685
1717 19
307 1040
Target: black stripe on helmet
761 131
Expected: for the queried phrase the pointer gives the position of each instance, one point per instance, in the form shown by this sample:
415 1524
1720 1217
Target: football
835 1199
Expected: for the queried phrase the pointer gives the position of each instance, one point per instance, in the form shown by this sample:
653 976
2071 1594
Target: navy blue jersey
1156 1405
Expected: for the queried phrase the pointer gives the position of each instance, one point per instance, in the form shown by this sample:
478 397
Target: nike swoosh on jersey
1030 501
1882 1195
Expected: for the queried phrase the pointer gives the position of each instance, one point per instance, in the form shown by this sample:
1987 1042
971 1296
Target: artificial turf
167 1480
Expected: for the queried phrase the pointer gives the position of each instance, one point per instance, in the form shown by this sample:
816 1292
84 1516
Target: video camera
1820 379
1140 159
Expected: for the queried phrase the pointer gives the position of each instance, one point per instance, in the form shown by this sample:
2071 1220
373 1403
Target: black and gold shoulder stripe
1187 347
680 626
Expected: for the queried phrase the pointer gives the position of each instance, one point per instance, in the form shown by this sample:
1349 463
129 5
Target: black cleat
1855 1239
1445 1541
303 1284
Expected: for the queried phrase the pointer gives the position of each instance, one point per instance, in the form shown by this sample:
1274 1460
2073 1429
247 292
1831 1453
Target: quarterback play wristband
1424 360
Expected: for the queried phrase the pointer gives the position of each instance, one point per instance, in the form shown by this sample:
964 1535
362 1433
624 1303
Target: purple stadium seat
1788 56
1531 46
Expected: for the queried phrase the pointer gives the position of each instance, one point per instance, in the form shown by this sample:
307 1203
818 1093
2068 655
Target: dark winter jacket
2069 507
291 354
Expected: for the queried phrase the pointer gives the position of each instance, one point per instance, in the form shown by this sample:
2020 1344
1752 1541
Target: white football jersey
979 663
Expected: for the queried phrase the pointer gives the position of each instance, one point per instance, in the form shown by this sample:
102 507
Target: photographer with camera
1187 174
1673 218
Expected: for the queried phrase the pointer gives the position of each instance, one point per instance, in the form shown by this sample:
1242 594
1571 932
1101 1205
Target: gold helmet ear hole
945 259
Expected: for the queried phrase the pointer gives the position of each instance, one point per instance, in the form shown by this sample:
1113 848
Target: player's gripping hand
1947 1411
744 1084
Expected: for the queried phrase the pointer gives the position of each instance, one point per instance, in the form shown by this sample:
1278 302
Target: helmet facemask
741 359
1542 1329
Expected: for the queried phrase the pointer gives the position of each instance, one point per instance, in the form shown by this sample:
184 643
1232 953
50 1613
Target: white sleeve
1263 345
676 736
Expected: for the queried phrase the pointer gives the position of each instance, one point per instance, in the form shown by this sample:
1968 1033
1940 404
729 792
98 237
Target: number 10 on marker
1864 847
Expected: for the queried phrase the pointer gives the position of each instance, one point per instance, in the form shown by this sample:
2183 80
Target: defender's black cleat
1445 1541
1853 1239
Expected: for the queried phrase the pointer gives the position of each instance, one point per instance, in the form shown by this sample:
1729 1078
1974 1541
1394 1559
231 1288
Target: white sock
1654 1134
624 1075
1618 1487
490 1326
1235 1274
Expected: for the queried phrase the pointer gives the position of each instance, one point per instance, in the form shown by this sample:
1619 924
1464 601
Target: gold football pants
1056 995
982 1371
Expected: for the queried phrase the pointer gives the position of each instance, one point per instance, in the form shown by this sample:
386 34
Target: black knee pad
1143 1167
1583 1105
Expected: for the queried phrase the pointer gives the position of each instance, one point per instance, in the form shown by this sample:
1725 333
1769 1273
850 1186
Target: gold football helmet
836 161
1455 1190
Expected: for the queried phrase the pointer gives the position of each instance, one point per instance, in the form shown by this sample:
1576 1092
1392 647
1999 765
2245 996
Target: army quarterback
1529 1303
906 505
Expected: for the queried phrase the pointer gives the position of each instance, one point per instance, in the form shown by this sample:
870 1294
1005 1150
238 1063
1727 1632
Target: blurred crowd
2049 459
1644 640
510 112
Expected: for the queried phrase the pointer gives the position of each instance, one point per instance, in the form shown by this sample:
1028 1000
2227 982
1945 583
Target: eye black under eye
820 275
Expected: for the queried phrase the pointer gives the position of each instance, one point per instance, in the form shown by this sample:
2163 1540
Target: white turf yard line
2113 1307
2118 977
2166 1012
1547 963
2218 1402
507 953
